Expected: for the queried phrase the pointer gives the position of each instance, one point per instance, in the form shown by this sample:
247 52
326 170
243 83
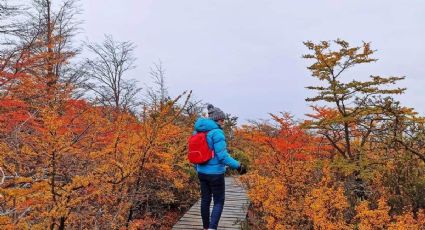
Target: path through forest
234 213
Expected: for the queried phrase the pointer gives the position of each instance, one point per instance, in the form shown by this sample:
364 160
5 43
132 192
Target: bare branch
106 70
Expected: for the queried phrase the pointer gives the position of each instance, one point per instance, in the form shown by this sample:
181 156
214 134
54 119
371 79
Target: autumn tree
42 189
351 115
160 126
47 36
282 173
351 118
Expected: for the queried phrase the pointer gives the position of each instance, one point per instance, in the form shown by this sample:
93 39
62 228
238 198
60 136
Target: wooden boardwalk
234 212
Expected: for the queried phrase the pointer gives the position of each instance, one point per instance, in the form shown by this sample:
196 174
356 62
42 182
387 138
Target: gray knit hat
215 113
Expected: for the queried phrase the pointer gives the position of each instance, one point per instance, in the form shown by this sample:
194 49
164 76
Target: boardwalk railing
234 212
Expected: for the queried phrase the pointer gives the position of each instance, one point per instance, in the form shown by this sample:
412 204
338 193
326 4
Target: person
211 173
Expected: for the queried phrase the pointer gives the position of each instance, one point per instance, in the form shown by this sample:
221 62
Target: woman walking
211 173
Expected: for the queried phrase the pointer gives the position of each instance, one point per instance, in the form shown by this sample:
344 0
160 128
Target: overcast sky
244 56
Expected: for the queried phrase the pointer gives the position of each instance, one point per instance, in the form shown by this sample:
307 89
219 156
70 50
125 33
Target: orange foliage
408 222
283 171
68 163
373 219
295 182
327 204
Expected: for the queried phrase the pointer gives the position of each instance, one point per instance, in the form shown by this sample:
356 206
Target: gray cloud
245 56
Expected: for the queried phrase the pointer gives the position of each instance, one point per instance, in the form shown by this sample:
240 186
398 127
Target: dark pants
211 185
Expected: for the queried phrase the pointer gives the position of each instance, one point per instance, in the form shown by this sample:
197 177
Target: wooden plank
234 211
223 215
199 227
233 206
241 209
220 225
235 224
229 213
224 222
239 216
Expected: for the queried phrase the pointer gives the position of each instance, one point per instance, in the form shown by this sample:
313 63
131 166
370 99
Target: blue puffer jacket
217 142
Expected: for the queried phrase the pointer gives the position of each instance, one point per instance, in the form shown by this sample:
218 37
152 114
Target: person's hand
242 169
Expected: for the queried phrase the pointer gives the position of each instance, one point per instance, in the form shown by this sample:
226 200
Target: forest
82 146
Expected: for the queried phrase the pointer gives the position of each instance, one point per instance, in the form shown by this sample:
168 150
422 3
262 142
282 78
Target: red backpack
199 151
